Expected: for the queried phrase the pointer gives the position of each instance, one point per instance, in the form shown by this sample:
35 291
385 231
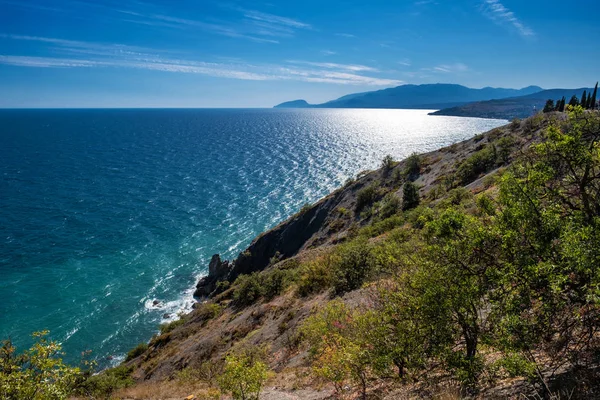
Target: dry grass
168 390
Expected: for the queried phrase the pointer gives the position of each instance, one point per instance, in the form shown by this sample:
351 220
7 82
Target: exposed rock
217 271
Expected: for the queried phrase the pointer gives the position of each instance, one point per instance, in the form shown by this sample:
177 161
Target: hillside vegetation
471 271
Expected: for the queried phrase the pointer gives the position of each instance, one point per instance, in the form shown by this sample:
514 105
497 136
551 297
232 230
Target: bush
478 163
248 289
138 350
170 326
104 384
38 373
243 377
315 276
387 163
366 196
412 168
410 196
352 263
389 206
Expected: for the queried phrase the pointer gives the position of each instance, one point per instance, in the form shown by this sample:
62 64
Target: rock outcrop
217 271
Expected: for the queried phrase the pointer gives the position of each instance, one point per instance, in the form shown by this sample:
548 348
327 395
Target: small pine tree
562 102
549 107
574 101
593 104
584 99
588 103
410 196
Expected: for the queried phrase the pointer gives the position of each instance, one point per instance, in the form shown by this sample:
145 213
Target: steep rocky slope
222 323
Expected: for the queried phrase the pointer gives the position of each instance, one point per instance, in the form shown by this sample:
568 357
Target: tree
574 101
243 376
387 164
547 277
410 196
37 374
593 104
341 346
549 107
561 104
584 99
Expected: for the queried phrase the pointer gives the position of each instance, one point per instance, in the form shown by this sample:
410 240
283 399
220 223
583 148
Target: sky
204 53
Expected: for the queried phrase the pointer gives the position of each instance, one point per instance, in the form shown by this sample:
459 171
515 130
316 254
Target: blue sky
184 53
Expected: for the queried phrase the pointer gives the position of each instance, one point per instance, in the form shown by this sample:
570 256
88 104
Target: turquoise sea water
105 212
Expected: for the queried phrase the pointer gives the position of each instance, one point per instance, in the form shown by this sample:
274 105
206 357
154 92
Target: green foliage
389 206
164 328
243 376
514 270
387 164
340 346
248 289
104 384
410 196
38 373
315 276
476 164
351 265
412 168
141 348
366 196
549 106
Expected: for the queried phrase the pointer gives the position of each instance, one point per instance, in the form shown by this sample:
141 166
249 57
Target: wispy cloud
346 35
275 19
348 67
405 62
100 55
328 52
498 13
448 68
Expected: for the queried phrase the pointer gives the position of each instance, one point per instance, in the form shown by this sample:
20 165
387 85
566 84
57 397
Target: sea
108 217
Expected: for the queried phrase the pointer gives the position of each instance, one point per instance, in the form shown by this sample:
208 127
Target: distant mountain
294 104
431 96
512 107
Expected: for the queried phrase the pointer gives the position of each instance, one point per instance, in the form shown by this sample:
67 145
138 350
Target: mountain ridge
426 96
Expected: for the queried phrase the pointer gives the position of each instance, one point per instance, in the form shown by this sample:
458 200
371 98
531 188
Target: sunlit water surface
102 212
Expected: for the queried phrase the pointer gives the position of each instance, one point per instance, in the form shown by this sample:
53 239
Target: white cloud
349 67
497 12
275 19
345 35
448 68
79 54
328 52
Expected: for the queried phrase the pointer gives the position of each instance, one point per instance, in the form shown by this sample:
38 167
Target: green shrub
243 377
410 196
138 350
387 163
104 384
504 148
248 289
352 264
478 163
170 326
412 168
315 276
366 196
389 206
38 373
516 365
